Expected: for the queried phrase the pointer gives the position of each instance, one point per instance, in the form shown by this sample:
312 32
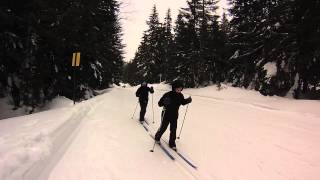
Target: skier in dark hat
143 94
171 102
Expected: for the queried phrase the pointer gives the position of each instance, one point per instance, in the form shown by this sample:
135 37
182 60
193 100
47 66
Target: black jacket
172 101
142 93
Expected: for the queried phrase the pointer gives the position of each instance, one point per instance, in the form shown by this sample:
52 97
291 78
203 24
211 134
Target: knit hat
176 84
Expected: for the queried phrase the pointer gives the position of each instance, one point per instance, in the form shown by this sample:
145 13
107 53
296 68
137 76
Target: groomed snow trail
110 145
233 134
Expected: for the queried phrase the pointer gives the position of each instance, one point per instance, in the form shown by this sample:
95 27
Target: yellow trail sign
76 59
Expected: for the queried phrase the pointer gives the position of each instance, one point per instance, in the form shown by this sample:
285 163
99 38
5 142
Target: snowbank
6 107
28 142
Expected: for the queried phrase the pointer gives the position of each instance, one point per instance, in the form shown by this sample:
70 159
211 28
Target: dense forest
38 38
271 46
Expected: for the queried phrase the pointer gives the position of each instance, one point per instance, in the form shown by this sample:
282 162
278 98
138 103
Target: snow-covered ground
6 107
231 134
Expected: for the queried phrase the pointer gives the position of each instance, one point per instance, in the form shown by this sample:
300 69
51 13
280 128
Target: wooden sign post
75 64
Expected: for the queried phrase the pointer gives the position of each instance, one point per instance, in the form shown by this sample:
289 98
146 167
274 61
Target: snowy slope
232 134
6 107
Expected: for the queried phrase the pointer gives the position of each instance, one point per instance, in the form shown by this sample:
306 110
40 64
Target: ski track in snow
63 137
296 128
268 146
195 174
51 144
71 148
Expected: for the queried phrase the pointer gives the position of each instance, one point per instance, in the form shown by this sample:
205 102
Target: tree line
37 39
271 46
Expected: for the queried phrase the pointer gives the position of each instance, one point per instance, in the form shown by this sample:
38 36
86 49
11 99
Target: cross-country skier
171 102
143 94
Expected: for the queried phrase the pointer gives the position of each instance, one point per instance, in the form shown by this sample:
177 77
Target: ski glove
189 100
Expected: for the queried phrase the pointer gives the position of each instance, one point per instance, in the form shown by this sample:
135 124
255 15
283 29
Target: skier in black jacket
171 102
143 93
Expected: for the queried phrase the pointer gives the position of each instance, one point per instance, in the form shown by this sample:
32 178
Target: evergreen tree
151 55
198 39
212 44
279 49
167 45
273 53
129 73
192 16
225 25
224 49
247 18
180 63
38 39
307 21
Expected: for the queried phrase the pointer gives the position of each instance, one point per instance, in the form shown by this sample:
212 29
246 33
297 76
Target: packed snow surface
229 134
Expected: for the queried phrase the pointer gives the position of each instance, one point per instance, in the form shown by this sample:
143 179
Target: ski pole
183 120
135 109
152 111
162 115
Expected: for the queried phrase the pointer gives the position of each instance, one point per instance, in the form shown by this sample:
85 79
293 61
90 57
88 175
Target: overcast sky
135 13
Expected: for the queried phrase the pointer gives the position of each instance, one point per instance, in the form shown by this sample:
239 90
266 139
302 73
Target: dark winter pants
172 120
143 109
